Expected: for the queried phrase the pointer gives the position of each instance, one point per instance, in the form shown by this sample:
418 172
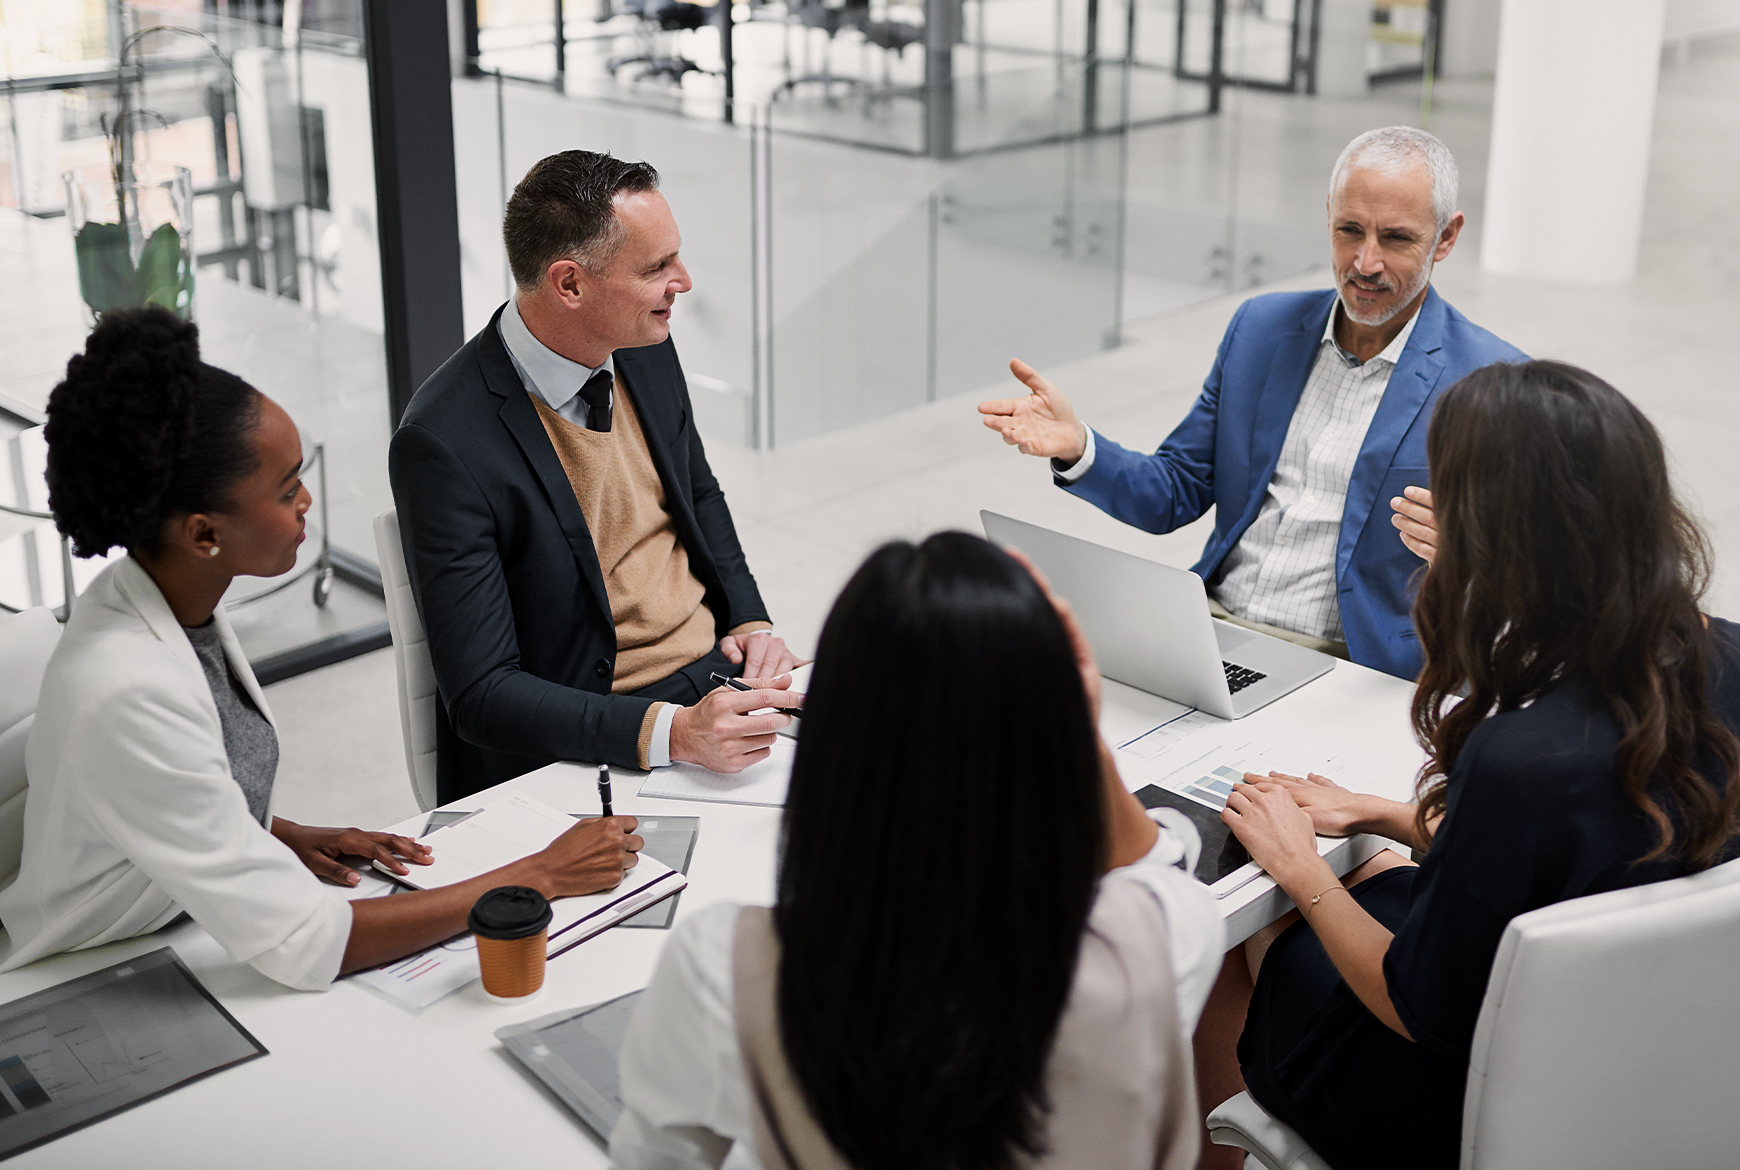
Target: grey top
249 740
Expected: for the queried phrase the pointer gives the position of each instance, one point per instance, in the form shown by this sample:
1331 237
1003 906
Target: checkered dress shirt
1282 570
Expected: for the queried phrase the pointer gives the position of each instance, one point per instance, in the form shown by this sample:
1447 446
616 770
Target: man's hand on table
1043 423
320 849
719 733
761 653
1416 522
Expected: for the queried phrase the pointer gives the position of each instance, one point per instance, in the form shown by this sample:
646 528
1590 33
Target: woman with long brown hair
1579 715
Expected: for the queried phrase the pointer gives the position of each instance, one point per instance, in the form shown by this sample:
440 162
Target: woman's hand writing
590 857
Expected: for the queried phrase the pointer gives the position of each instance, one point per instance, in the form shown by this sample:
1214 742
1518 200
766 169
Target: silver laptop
1150 627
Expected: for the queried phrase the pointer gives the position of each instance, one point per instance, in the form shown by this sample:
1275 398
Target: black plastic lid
510 912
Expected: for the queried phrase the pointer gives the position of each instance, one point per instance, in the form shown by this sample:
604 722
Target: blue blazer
1224 454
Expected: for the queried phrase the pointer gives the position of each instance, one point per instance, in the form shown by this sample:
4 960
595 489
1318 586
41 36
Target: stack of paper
764 783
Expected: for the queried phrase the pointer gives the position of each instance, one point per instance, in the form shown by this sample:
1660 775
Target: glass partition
705 174
900 280
863 72
272 122
841 280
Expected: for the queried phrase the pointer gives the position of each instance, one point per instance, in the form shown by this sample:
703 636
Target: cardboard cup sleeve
512 928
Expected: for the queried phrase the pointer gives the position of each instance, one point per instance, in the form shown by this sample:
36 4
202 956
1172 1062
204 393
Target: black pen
738 684
604 788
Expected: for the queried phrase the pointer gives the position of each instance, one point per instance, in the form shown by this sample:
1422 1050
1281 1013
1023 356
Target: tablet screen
1222 855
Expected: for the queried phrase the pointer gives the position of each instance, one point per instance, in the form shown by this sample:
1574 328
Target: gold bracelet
1319 898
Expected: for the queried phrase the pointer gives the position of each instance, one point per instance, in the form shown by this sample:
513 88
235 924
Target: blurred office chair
656 17
830 19
1609 1037
417 694
26 641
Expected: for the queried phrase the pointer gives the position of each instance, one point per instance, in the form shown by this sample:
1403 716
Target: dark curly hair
565 207
1563 553
141 430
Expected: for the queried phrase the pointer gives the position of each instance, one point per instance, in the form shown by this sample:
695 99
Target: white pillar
1468 38
1572 111
1343 40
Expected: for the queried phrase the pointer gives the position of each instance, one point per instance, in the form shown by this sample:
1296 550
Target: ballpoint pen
604 788
738 684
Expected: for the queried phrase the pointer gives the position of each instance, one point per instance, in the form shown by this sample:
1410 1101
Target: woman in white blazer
153 752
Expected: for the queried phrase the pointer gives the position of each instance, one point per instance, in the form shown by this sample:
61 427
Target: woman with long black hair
1579 716
951 979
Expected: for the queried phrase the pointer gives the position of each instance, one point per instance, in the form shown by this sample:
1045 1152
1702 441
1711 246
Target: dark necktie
596 394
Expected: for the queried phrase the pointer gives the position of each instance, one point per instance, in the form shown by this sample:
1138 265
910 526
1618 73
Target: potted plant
132 221
132 227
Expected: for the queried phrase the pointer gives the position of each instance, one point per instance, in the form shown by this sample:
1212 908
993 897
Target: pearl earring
214 550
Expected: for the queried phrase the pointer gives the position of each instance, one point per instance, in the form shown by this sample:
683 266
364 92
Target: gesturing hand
1271 826
320 849
591 856
1042 423
762 654
1416 522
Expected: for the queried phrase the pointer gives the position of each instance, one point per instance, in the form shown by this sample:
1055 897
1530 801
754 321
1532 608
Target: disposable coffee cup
512 927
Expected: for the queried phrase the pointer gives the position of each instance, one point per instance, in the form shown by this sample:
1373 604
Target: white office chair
417 696
1609 1037
26 641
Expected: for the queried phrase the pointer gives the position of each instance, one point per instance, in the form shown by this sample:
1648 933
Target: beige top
1119 1080
1120 1073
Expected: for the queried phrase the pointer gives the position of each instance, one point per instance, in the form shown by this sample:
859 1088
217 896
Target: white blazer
132 814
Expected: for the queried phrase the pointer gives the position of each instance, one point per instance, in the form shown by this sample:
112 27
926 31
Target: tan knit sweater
656 602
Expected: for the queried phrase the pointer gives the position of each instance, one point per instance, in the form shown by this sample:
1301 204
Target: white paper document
1199 758
418 980
763 783
514 827
1155 741
1202 757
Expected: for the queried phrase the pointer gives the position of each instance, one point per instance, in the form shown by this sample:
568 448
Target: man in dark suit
569 549
1311 427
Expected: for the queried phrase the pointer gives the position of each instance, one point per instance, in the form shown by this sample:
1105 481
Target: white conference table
354 1078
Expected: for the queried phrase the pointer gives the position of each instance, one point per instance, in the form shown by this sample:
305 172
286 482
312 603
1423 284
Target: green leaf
164 277
106 277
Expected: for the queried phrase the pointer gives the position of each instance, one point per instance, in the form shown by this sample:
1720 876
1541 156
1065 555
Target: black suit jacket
505 574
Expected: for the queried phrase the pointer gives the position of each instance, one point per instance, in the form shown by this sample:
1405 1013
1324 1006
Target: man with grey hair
570 551
1311 426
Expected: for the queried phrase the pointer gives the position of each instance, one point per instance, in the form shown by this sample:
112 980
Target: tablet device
1223 866
574 1053
83 1050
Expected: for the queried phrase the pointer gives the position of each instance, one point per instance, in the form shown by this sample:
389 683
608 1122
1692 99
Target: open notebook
503 832
761 783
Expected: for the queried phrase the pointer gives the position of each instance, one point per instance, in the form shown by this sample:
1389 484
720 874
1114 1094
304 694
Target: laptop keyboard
1240 677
